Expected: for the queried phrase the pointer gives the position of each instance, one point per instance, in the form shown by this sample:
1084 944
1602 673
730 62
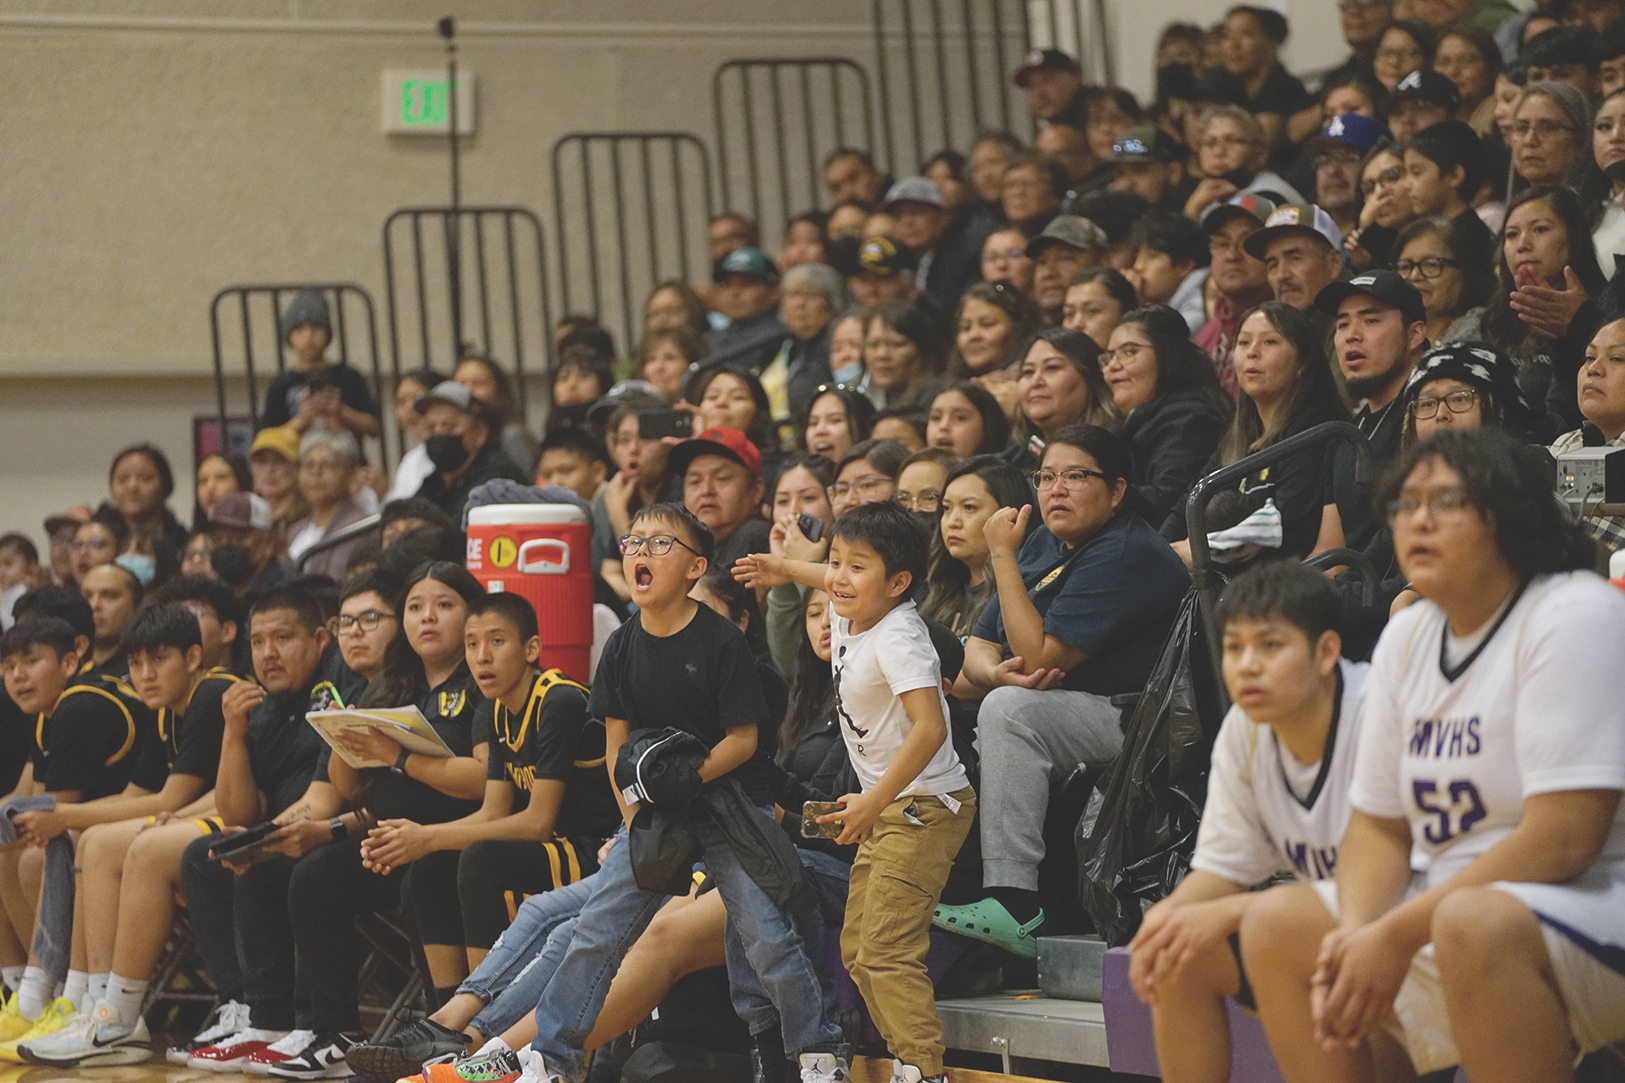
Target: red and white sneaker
228 1054
286 1048
226 1020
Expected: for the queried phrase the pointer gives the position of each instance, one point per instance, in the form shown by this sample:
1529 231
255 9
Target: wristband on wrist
399 769
336 828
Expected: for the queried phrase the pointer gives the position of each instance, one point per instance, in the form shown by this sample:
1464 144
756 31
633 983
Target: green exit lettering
424 102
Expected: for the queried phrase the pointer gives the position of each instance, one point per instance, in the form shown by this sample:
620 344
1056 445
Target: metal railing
1205 575
475 278
944 69
262 352
632 209
776 119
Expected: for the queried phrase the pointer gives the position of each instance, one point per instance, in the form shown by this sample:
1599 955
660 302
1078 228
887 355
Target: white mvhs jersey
1457 734
1266 813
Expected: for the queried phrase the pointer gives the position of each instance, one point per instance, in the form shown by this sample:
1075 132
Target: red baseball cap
729 443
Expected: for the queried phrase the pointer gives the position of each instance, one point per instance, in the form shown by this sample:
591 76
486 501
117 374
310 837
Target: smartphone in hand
811 828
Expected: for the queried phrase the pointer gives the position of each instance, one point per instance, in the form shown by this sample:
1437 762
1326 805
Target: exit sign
418 102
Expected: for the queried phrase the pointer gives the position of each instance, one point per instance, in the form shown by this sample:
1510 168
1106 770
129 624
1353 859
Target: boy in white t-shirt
917 802
1277 802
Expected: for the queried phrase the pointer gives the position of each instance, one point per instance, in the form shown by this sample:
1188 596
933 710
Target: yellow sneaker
12 1023
55 1016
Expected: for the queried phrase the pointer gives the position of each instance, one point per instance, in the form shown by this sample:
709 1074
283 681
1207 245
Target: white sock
12 976
494 1045
34 993
126 994
98 987
75 988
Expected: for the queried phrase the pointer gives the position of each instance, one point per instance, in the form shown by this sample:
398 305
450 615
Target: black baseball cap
1384 286
1045 60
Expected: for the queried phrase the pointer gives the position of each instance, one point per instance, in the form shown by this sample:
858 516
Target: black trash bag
1136 842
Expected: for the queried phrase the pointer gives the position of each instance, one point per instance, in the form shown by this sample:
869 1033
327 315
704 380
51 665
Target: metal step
1069 966
1026 1024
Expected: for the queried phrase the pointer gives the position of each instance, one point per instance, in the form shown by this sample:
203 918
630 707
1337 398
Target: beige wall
158 150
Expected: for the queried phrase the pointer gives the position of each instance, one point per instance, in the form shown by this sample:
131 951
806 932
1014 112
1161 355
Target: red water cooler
542 552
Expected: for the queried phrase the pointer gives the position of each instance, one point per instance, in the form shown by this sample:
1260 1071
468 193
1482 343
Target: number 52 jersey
1458 732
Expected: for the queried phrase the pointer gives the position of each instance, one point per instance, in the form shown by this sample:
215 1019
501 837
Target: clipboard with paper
404 725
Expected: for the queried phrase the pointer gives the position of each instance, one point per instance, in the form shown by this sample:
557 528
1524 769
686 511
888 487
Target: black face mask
573 416
446 451
232 563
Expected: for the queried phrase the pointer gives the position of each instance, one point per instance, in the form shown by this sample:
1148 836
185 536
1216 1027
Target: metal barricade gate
944 69
647 225
475 279
257 316
812 104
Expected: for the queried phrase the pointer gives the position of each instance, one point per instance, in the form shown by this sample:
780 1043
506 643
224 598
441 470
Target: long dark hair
953 601
912 322
1510 483
1084 353
860 412
1025 318
1475 262
1181 364
239 470
1313 390
402 679
740 601
812 689
995 426
501 411
762 432
1502 327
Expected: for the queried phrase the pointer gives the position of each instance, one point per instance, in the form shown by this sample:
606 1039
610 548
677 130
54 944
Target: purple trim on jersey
1611 956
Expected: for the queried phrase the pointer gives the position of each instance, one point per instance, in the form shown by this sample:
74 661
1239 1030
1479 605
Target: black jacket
1171 439
664 765
490 462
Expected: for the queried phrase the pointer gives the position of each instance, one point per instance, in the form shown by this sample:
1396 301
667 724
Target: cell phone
1036 445
812 829
659 423
812 527
243 846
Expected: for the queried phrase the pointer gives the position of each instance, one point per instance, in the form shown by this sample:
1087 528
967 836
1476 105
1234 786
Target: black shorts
1244 995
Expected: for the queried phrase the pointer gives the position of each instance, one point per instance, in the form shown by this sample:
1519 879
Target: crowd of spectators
1028 355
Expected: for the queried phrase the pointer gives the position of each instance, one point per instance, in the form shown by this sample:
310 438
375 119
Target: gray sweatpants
1030 743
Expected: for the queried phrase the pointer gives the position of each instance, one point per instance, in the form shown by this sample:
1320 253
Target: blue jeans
617 914
829 877
510 979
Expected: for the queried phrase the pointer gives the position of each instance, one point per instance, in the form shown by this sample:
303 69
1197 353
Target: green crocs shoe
990 922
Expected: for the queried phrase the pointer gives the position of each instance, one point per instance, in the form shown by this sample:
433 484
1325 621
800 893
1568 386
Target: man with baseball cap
1238 278
722 485
946 256
747 294
460 446
1150 164
1379 333
1301 251
885 272
1336 154
1054 85
1068 245
1422 99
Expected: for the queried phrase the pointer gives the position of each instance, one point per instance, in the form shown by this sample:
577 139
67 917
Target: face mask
573 416
232 564
140 565
446 451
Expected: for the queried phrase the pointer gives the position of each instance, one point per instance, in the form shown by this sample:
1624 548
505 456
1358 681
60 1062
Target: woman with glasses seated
1452 271
1084 604
920 482
866 475
1549 134
1174 409
1546 305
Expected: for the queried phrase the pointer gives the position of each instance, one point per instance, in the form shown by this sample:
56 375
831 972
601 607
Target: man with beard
1380 333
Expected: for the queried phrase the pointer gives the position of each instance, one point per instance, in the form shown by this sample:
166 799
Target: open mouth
484 677
642 576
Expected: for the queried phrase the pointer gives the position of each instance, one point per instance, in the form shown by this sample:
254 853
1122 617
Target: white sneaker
99 1039
896 1070
227 1054
226 1019
533 1069
823 1068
